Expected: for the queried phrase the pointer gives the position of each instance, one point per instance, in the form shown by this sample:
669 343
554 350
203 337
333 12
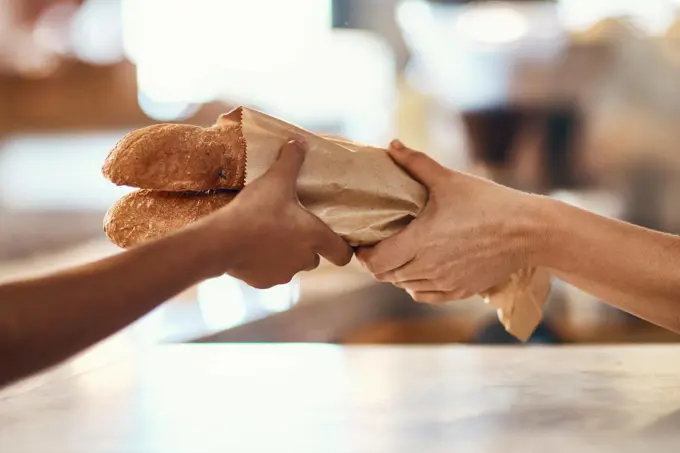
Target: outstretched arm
474 233
45 320
632 268
263 237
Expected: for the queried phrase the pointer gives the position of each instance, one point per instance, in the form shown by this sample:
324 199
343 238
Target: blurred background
576 99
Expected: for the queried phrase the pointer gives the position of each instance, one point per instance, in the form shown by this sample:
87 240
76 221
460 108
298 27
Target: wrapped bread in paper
187 172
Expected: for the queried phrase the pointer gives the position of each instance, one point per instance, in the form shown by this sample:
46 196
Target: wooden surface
323 398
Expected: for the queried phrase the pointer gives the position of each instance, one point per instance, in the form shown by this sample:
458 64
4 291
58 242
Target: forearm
45 320
632 268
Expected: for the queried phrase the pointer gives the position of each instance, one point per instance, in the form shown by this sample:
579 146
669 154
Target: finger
409 272
315 263
390 254
420 166
363 254
331 246
419 286
287 166
431 297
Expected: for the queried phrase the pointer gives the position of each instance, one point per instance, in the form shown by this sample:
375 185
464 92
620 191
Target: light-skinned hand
469 237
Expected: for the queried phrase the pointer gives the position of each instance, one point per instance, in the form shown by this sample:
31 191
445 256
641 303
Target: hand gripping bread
149 214
179 157
185 173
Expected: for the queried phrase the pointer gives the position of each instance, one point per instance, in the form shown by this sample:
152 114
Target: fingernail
397 144
299 144
301 140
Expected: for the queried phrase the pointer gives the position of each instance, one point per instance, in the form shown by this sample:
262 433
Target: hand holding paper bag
465 241
357 190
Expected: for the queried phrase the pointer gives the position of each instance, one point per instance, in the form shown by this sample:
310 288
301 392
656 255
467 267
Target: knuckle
381 277
414 157
260 284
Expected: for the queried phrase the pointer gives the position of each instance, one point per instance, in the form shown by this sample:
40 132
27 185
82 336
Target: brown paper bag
365 197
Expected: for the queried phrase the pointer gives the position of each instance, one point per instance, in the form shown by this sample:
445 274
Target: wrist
541 235
205 250
220 243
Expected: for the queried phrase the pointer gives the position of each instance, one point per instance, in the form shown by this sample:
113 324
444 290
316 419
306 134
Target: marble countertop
322 398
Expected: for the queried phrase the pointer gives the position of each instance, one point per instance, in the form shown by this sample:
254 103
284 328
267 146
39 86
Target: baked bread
179 157
149 214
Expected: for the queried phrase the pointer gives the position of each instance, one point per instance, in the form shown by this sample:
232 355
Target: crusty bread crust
179 157
147 214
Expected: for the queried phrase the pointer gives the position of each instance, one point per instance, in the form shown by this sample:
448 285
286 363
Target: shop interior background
576 99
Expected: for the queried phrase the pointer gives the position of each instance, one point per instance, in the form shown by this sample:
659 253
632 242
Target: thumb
287 166
420 166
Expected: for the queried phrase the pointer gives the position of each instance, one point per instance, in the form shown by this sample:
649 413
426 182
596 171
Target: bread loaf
179 157
148 214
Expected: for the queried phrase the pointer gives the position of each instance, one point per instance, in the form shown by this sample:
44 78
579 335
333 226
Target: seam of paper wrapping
235 119
244 160
518 302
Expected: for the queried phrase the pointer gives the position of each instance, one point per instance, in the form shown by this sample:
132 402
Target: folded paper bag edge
520 302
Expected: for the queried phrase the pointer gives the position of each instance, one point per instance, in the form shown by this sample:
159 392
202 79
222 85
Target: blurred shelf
81 97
